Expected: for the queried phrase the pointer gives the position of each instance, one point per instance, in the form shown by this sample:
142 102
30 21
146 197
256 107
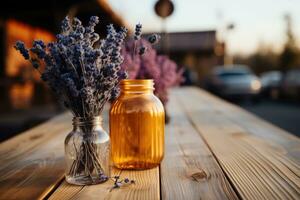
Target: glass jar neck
86 125
136 86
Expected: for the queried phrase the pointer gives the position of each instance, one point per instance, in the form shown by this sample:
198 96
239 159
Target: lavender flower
38 48
142 50
119 182
94 20
154 38
138 31
65 25
21 47
72 90
83 75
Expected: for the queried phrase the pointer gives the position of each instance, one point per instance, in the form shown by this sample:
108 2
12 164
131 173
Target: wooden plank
146 187
252 123
189 170
261 161
31 164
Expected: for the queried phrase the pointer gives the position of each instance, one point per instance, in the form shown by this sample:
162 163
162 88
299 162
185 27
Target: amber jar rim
137 84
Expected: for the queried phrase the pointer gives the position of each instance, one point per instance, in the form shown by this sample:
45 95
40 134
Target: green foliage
289 57
265 59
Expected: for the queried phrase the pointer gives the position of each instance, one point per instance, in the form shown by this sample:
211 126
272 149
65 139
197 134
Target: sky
257 22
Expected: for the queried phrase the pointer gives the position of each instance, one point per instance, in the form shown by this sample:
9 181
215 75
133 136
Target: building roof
189 41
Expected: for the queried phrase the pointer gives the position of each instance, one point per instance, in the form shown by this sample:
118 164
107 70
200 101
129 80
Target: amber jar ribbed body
137 122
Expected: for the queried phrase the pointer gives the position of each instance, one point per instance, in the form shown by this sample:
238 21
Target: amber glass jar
137 123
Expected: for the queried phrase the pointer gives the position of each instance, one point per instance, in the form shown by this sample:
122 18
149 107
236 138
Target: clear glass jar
137 123
87 152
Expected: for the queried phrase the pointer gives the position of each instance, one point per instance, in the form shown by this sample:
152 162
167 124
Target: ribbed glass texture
137 123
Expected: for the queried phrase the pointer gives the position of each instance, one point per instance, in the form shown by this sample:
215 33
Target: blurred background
246 52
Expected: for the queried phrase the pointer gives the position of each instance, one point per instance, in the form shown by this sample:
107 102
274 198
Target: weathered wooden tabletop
213 150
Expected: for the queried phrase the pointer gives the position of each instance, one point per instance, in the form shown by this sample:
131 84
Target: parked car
233 81
271 83
291 84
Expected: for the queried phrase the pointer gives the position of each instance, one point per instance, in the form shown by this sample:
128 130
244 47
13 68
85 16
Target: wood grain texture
32 166
189 170
146 187
32 163
261 161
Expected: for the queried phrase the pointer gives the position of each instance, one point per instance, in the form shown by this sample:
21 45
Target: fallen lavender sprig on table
121 182
84 72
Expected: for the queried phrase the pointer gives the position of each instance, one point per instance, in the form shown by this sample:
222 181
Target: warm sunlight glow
15 63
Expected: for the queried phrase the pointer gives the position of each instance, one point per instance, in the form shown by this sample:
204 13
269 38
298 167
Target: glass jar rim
87 121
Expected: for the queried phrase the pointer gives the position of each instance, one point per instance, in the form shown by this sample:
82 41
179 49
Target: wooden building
197 51
44 17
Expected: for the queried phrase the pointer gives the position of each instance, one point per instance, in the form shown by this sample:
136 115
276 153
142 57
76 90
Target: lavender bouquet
142 62
84 72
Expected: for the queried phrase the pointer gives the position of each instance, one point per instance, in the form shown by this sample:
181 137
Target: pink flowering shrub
150 65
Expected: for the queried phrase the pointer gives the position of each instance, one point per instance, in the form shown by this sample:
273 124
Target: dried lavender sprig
73 53
138 31
20 46
154 38
121 182
38 48
142 50
65 25
137 36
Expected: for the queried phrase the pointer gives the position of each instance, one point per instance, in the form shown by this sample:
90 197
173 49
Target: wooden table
214 150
